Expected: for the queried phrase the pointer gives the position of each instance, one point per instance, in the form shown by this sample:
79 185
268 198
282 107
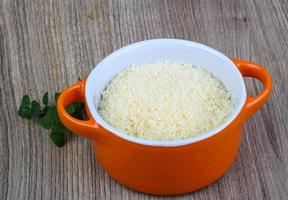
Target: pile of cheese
165 101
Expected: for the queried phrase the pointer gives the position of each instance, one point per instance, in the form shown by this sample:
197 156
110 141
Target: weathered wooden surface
46 44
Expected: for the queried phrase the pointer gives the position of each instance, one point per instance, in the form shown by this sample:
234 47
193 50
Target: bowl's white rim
99 120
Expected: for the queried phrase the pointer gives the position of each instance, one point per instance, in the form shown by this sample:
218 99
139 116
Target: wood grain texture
46 44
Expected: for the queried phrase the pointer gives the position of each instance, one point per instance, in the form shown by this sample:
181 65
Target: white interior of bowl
180 51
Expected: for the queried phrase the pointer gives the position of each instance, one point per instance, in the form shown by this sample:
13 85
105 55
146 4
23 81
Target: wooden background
46 44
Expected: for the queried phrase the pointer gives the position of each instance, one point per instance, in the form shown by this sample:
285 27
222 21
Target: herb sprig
48 117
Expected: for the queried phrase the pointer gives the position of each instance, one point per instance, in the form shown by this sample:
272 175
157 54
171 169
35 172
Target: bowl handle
250 69
76 93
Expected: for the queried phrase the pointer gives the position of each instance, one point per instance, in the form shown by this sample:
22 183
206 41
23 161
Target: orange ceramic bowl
166 167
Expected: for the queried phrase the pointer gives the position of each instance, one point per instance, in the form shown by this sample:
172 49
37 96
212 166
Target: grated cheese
165 101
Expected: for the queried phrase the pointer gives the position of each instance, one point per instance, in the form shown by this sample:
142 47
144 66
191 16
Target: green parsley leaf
80 112
56 95
45 122
44 111
25 111
25 100
58 138
35 107
70 109
49 118
58 126
45 99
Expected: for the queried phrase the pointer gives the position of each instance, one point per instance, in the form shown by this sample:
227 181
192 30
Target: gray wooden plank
45 45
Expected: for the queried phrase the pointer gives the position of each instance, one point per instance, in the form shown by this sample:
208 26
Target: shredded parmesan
165 101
